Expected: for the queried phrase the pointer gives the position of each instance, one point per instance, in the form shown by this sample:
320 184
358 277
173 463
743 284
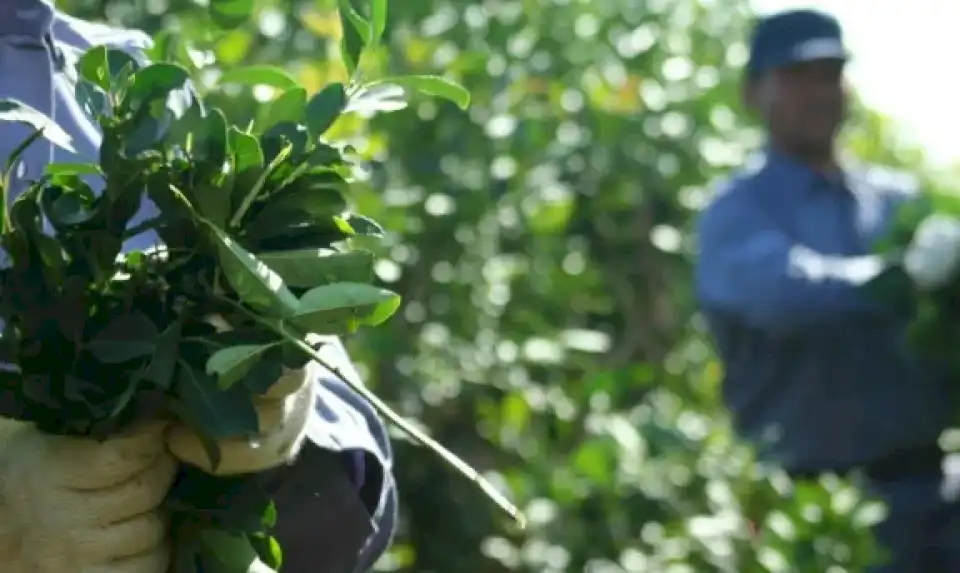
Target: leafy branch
196 311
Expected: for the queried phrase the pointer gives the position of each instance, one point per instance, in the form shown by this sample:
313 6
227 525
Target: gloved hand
933 257
79 505
283 412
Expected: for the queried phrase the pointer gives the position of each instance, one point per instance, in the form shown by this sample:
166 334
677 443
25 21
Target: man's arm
751 270
337 504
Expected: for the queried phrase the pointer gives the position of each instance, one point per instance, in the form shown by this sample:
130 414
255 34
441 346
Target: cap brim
820 49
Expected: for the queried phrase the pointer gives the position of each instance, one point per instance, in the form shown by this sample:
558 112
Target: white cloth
933 257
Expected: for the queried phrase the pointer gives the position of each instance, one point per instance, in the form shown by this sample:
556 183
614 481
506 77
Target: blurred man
79 505
818 376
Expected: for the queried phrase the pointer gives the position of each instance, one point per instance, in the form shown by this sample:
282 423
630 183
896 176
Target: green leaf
290 106
433 86
312 201
264 373
93 67
254 282
125 398
91 99
167 46
382 312
166 353
308 268
231 553
283 141
356 34
316 197
356 20
216 413
323 155
52 256
55 169
319 305
213 202
236 505
103 66
210 141
127 337
269 551
69 204
324 109
363 226
246 200
230 14
378 21
245 150
155 82
252 76
231 364
212 188
137 136
17 111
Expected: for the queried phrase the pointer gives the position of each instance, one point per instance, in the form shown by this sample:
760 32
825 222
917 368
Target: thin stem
415 433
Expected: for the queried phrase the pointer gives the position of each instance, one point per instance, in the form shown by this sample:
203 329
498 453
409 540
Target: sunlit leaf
259 76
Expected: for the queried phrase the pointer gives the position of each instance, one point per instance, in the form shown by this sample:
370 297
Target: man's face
803 104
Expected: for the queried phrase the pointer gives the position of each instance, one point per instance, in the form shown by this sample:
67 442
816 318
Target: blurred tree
541 243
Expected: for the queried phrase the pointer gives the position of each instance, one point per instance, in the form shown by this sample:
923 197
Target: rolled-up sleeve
337 504
750 269
347 423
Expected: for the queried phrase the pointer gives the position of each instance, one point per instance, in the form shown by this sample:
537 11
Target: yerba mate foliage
255 262
921 277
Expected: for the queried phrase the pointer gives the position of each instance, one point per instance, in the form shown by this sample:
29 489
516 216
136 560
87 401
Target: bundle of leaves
933 314
255 260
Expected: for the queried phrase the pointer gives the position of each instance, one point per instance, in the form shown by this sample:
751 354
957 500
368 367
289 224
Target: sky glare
902 64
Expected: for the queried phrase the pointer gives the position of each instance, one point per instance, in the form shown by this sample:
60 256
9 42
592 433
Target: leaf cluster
249 261
253 227
933 316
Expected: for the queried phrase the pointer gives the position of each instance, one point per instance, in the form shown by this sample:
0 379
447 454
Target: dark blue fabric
346 423
791 37
921 533
379 493
818 375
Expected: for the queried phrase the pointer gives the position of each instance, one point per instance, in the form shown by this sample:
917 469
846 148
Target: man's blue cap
786 38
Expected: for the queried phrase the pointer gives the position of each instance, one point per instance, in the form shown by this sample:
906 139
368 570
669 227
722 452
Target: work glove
932 259
80 505
283 413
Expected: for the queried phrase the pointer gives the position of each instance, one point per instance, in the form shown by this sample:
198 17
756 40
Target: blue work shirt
817 374
39 48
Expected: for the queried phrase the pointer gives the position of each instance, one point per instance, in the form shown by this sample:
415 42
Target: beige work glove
932 259
283 413
83 506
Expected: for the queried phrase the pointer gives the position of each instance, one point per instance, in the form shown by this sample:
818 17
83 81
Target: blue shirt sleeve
348 424
751 270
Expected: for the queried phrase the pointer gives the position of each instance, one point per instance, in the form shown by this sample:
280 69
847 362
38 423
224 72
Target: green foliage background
541 243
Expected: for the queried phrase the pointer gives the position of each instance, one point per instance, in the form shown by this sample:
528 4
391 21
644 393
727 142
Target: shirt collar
799 178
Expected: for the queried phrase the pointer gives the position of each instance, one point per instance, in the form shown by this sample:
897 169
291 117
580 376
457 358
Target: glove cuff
284 423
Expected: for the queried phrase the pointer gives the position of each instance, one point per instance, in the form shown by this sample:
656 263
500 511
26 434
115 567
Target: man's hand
933 257
72 504
283 411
